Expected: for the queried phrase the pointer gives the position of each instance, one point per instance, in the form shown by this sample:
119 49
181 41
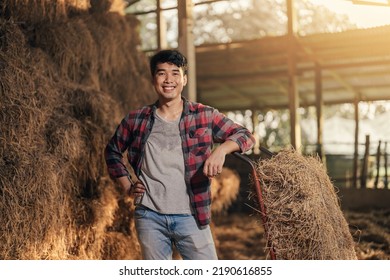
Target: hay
240 237
32 12
69 71
63 90
224 190
36 11
102 6
304 218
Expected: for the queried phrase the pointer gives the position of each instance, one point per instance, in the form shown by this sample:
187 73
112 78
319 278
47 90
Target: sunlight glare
364 16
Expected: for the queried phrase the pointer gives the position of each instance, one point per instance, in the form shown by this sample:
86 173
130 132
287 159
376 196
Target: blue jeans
157 233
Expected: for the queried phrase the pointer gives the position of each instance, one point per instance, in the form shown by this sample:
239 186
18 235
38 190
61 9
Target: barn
71 69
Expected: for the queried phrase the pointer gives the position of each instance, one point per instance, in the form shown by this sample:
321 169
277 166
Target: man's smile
168 88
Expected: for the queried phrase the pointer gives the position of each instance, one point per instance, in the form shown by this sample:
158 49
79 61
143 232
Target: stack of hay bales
69 71
304 219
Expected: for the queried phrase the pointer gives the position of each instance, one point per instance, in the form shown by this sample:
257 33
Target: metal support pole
292 87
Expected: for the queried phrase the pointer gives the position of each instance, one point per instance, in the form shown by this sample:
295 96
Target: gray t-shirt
162 170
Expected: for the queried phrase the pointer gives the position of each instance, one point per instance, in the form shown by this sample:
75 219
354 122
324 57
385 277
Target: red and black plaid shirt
200 126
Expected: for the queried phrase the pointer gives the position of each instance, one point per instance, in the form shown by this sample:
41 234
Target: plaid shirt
200 126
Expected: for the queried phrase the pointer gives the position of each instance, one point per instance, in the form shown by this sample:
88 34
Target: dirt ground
240 236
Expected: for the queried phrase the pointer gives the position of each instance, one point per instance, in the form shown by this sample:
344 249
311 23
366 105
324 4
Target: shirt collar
188 107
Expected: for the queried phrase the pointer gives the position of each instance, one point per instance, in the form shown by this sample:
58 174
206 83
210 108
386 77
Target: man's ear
185 80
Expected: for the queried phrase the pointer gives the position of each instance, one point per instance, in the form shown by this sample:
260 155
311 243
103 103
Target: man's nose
168 78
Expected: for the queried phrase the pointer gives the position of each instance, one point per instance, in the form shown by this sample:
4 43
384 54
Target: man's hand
213 165
137 189
132 189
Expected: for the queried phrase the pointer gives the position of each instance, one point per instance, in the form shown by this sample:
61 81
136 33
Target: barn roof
254 74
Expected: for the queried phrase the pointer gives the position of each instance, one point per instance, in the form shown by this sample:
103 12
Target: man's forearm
124 182
228 147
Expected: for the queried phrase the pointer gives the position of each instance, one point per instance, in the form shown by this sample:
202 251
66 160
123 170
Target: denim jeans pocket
140 212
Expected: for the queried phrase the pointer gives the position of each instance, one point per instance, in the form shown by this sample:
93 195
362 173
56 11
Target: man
170 147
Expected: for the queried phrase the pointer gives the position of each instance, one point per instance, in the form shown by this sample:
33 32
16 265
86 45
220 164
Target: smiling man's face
169 81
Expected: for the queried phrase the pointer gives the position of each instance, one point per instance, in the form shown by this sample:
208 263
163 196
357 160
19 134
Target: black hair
170 56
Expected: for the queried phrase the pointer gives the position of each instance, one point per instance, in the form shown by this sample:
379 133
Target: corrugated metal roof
254 74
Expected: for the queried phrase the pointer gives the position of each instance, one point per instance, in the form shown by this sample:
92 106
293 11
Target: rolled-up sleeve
244 139
225 129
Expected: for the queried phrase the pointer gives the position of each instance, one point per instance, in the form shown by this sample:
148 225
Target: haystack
304 219
224 190
69 71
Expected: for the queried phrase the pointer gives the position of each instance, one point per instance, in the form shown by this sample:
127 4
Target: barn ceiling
254 74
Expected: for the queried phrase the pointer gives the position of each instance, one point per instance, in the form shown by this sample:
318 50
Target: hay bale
304 218
29 182
119 247
92 49
60 101
103 6
36 11
224 190
33 12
